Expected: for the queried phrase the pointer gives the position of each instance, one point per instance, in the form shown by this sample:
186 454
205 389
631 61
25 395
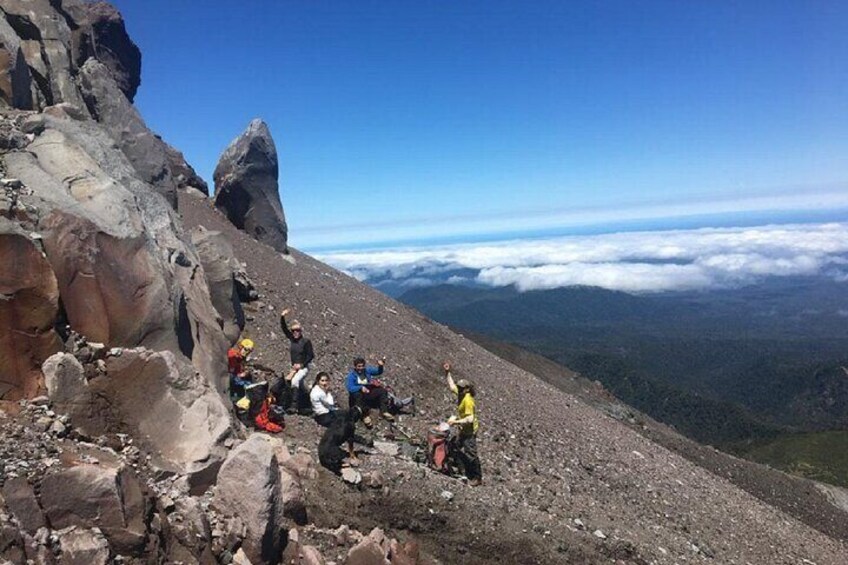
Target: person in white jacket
324 406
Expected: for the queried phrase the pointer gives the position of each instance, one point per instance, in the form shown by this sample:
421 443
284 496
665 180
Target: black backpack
256 393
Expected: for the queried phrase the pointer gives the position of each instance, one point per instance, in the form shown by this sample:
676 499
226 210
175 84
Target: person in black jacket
302 355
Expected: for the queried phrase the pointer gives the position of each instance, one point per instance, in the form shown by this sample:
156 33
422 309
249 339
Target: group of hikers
264 404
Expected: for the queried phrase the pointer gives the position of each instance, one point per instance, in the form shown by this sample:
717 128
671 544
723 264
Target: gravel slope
548 459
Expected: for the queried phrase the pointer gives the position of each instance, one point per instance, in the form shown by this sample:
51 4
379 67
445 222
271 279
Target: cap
247 344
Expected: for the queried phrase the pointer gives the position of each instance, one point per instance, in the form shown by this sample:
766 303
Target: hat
247 344
462 383
295 325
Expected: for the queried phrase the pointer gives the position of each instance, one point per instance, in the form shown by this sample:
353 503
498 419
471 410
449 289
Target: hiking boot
388 417
475 482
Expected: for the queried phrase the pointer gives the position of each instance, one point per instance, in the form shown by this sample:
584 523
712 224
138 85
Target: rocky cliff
87 220
117 445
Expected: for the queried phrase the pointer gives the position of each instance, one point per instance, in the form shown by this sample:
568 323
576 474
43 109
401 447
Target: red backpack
438 448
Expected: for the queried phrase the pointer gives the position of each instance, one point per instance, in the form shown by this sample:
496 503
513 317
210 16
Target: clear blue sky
401 118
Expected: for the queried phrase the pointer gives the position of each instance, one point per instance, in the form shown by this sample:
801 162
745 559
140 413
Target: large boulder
29 305
22 503
94 496
246 187
168 406
219 261
249 487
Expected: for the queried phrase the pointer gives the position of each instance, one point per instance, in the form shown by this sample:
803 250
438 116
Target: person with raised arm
467 424
365 393
301 354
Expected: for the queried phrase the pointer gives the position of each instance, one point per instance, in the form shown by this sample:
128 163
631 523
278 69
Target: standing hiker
466 422
236 367
364 392
301 356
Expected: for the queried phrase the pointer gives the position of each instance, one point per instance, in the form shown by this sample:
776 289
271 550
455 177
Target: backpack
256 394
439 448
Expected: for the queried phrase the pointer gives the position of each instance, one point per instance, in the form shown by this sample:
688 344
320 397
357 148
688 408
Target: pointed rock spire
246 187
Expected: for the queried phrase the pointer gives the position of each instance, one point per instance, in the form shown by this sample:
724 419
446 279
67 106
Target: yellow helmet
247 344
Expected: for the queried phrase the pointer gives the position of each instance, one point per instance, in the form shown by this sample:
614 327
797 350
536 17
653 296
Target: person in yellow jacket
467 424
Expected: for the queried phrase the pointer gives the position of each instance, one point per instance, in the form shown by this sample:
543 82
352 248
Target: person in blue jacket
364 392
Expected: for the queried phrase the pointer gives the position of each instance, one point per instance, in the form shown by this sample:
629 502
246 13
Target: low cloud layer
632 262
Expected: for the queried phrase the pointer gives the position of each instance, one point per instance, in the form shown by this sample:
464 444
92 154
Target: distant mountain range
723 366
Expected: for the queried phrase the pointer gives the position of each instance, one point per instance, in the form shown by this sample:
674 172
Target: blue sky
411 120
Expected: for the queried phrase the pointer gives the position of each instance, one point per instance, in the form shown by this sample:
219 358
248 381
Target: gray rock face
100 33
219 262
45 39
94 496
246 187
126 275
15 78
184 174
77 53
252 467
147 153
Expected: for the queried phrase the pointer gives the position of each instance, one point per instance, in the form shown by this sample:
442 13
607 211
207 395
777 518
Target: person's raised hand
446 366
284 313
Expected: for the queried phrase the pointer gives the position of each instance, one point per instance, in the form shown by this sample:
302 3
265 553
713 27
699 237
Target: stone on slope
22 503
82 546
246 188
28 309
249 487
372 550
92 496
219 262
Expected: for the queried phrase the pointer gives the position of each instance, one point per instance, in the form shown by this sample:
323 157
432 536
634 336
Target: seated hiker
466 422
301 354
281 390
237 367
324 407
364 392
340 432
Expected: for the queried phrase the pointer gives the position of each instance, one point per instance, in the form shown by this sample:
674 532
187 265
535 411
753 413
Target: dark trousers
467 454
325 420
377 397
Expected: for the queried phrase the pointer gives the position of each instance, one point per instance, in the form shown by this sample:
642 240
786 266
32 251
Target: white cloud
633 262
